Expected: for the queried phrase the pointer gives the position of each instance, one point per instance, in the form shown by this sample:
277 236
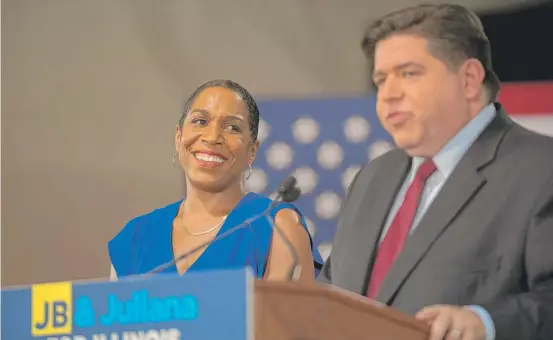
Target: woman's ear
178 138
253 152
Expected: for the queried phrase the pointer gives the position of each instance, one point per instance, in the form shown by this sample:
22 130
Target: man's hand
452 323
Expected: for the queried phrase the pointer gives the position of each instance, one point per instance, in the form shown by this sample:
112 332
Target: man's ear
473 78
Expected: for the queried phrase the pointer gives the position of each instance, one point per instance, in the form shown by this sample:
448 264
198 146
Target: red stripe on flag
527 98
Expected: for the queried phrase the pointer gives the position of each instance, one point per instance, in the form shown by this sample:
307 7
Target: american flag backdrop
324 142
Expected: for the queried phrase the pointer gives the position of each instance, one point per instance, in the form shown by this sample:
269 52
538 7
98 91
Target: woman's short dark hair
454 34
253 110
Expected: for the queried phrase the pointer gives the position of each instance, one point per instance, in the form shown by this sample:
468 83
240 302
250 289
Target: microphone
286 190
288 184
292 195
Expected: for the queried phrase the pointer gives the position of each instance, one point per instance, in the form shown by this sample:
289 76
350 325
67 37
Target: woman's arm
112 274
280 261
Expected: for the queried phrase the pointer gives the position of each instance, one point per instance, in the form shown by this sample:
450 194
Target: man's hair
454 34
246 96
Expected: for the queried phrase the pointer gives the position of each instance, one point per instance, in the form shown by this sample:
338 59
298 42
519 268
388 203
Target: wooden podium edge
345 297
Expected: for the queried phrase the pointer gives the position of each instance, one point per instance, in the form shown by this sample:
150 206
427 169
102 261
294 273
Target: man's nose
391 89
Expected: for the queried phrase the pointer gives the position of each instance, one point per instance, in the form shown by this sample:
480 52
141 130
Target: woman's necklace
205 231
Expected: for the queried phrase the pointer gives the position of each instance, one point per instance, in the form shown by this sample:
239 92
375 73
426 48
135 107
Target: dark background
522 42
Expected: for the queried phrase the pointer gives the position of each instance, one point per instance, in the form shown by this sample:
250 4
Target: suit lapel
462 185
370 216
454 195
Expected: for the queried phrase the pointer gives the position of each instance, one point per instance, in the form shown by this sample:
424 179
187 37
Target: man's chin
412 147
405 142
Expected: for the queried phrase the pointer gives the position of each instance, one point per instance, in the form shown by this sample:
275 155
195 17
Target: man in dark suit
456 224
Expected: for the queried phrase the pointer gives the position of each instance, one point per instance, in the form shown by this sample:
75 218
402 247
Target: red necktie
399 228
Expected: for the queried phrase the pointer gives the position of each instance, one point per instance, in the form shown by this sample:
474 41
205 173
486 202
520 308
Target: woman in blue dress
216 144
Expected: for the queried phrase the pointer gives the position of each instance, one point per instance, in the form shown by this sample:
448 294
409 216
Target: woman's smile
209 159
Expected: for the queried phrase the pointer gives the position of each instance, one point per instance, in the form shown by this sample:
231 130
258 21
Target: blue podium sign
209 305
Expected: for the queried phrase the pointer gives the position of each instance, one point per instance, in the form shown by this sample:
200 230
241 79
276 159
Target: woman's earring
175 156
249 172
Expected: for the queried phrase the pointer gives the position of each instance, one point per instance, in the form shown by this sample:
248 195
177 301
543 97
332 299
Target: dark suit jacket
487 238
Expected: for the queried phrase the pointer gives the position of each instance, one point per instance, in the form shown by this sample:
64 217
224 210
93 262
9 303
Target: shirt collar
448 157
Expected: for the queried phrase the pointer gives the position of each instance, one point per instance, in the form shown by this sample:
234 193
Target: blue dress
146 241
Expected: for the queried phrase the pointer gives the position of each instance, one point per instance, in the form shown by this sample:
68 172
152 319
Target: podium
228 304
